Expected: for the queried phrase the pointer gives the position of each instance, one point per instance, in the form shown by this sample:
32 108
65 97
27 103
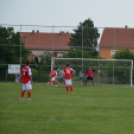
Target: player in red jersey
90 75
53 75
26 79
67 73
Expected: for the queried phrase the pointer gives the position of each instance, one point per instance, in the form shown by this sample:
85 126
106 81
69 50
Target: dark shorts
80 78
61 79
90 78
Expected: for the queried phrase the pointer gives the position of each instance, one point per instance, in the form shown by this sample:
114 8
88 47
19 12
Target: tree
121 73
124 54
45 60
77 53
10 48
86 33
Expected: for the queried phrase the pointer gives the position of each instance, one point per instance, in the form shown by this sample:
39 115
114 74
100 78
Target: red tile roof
46 41
118 37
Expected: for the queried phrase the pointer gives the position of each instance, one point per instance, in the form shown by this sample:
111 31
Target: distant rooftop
46 41
118 37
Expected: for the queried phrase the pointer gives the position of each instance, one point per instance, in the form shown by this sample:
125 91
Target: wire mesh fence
44 42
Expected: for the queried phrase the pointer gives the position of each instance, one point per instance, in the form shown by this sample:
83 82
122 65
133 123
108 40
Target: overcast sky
104 13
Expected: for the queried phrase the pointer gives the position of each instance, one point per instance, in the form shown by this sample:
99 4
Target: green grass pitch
99 109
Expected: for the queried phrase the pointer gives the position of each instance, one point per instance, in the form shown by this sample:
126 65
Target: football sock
54 82
67 88
93 83
50 81
22 94
29 94
71 88
85 82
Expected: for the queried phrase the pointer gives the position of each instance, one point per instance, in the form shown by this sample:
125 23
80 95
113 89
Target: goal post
111 71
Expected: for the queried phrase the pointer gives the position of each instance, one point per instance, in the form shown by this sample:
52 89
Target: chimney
126 26
60 33
32 32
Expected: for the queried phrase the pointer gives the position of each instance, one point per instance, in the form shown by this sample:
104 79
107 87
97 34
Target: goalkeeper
90 75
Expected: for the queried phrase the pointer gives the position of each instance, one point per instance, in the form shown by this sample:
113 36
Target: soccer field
99 109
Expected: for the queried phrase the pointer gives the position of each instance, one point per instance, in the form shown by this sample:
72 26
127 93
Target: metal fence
41 40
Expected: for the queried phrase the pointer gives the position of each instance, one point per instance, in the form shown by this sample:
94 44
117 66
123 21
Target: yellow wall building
116 39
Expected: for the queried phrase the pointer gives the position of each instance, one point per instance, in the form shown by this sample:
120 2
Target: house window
112 53
60 55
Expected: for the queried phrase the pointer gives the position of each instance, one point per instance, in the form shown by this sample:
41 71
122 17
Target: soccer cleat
72 92
28 98
22 98
67 92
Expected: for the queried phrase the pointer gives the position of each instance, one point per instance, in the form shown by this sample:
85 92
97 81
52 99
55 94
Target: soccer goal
110 71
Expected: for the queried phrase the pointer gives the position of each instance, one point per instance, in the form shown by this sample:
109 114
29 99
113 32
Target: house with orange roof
115 39
42 43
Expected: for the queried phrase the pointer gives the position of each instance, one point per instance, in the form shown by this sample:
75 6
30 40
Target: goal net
110 71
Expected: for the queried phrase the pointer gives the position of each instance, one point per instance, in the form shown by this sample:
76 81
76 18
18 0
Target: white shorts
53 79
27 86
68 82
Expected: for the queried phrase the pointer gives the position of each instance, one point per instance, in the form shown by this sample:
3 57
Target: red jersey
90 73
25 73
53 73
67 71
